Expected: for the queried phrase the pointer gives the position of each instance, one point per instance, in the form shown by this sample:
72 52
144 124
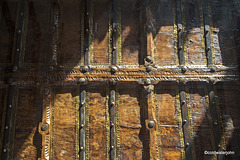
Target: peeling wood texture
26 139
63 123
119 79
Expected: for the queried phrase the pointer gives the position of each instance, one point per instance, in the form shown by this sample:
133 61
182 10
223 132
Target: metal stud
211 80
187 144
113 69
215 123
149 68
19 31
151 124
10 80
183 69
21 13
184 121
15 68
112 147
149 59
44 127
18 50
4 150
183 102
182 80
114 48
112 103
82 125
82 80
81 148
112 124
84 69
45 91
213 68
148 81
180 47
6 127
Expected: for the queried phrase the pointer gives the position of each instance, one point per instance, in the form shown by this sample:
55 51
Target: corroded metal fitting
149 68
184 69
149 59
147 81
113 69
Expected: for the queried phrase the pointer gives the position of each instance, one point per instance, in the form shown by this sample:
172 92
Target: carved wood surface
119 79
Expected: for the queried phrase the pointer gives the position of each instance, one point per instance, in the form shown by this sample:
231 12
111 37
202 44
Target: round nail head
149 59
149 68
45 91
147 81
114 69
82 80
44 127
151 124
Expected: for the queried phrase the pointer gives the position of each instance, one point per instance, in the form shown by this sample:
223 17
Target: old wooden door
120 79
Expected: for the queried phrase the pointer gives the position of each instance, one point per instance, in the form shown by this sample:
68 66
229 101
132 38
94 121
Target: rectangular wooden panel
7 30
193 33
27 141
64 122
70 31
168 115
98 111
130 32
228 103
130 124
199 122
223 29
163 13
37 37
100 31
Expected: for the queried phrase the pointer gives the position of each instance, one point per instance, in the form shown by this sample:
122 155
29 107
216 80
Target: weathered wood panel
130 32
27 140
199 122
193 33
7 30
100 31
64 123
163 13
131 142
70 32
224 29
98 123
37 37
228 103
167 119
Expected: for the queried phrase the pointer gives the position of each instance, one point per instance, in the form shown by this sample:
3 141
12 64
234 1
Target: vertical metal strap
151 123
87 28
185 123
207 33
214 120
8 124
112 113
20 33
180 33
82 123
115 32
